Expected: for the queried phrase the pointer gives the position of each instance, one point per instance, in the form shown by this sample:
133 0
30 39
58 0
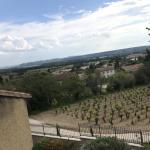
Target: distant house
61 71
135 57
82 76
84 67
107 71
132 68
63 76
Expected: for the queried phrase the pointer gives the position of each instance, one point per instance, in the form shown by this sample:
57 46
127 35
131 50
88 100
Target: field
128 108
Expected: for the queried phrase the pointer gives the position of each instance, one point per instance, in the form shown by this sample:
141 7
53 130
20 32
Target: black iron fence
129 135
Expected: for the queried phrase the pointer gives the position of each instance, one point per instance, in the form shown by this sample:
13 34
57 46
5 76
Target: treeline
143 75
48 92
122 79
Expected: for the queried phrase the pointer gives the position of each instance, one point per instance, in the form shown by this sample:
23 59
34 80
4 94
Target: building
84 67
61 71
107 71
15 131
132 68
82 76
135 57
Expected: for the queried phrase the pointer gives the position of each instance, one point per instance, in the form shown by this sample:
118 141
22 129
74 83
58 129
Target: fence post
79 129
43 129
57 130
91 131
99 130
141 137
115 132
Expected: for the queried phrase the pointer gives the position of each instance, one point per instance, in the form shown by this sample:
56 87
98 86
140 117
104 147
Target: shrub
55 145
146 147
105 144
121 81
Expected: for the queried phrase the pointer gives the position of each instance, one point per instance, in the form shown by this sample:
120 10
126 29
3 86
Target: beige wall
14 126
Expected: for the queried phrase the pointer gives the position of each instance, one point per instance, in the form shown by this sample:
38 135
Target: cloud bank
14 44
116 25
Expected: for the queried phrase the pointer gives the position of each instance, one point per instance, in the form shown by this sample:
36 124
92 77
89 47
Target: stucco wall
14 126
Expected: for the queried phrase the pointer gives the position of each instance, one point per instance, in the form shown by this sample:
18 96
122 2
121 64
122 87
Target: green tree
91 68
147 58
141 76
105 144
1 79
92 83
73 88
44 90
95 82
117 62
121 80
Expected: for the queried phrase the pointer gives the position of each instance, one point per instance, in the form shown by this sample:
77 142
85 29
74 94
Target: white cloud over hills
117 25
14 44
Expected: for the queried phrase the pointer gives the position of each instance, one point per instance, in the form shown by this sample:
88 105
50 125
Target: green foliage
143 75
146 147
1 80
76 67
74 88
117 61
91 68
94 82
55 145
147 58
44 90
98 144
121 81
47 92
105 144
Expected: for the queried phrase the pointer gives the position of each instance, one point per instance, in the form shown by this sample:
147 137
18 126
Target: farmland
127 108
108 91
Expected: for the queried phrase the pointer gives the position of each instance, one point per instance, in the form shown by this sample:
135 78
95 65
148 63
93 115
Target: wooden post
115 132
99 131
141 137
91 131
57 130
79 129
43 129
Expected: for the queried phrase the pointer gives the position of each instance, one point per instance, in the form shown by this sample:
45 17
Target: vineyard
124 109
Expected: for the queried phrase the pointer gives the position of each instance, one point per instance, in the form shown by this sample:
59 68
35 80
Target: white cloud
12 44
54 17
81 11
117 25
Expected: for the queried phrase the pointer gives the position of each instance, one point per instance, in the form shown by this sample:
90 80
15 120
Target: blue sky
33 10
33 30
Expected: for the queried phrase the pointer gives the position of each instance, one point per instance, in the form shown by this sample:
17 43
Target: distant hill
113 53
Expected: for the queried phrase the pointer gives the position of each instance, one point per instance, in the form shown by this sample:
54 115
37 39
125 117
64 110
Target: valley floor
113 108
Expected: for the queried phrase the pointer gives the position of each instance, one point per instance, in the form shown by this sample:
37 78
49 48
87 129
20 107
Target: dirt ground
50 117
134 101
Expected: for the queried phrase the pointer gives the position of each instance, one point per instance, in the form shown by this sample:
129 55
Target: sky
32 30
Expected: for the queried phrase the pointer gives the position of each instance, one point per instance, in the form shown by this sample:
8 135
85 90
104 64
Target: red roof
132 68
65 75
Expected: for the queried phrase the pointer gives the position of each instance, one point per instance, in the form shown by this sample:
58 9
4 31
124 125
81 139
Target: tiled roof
135 56
106 68
132 68
65 75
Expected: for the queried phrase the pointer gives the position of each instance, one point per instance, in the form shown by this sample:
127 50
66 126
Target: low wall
15 131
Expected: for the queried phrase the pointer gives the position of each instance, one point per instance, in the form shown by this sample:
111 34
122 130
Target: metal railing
129 135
